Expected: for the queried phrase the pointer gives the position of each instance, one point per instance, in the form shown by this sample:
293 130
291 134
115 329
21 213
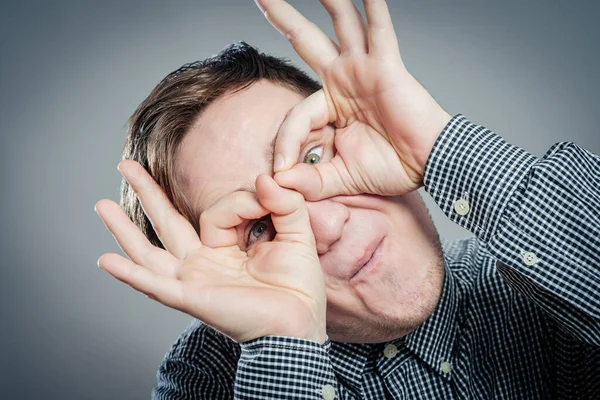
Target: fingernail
279 163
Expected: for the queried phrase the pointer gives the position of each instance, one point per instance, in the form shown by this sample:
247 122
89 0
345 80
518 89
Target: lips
367 257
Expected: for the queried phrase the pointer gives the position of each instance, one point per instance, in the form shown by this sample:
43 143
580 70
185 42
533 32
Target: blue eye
261 230
313 156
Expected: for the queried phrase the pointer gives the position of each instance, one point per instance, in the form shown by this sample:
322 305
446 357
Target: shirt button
462 207
328 392
390 351
530 258
445 367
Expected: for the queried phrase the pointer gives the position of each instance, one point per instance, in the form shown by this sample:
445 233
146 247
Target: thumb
316 181
289 213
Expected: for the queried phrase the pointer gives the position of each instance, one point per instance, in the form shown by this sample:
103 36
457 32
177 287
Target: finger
311 44
310 114
132 241
174 231
381 36
314 182
288 211
348 24
218 223
158 287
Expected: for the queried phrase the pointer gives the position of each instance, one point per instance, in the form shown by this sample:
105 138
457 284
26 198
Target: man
293 231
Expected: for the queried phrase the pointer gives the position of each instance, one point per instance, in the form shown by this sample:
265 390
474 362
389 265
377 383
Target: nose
327 219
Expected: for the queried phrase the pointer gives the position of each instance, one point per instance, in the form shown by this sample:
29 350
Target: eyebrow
270 150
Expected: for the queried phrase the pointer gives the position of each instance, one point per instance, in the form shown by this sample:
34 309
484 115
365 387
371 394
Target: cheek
412 230
372 297
396 297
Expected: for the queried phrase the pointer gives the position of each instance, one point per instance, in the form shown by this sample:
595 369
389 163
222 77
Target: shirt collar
434 340
348 361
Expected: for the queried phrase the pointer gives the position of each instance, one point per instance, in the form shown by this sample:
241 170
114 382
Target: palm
365 159
355 86
275 288
367 164
232 292
381 94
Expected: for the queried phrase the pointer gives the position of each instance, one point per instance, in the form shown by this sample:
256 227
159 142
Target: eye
314 155
261 230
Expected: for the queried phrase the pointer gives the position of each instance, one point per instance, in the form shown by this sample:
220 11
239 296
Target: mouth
370 260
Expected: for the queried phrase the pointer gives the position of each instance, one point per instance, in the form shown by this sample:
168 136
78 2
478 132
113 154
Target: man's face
380 255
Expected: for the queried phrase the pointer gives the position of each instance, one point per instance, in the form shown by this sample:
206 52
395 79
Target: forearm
539 217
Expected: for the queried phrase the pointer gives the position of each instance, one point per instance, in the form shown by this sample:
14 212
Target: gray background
71 72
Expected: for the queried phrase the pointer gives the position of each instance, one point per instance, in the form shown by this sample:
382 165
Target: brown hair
157 127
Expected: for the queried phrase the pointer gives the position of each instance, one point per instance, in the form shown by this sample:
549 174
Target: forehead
228 145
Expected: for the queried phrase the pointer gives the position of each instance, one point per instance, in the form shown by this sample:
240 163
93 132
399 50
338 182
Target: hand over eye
274 288
386 122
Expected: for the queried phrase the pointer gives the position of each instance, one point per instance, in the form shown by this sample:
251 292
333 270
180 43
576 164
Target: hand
386 122
274 288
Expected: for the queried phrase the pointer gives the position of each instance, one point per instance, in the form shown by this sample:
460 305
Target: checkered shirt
519 314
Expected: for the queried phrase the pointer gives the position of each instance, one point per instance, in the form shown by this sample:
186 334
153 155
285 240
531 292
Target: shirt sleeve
277 367
201 364
205 364
540 218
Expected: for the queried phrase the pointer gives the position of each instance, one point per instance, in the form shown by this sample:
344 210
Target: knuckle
294 35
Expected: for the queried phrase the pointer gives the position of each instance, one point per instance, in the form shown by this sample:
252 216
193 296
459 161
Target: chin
388 312
370 330
376 328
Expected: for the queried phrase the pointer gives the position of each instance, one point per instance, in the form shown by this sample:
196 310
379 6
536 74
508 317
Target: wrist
315 332
318 335
430 132
414 128
309 326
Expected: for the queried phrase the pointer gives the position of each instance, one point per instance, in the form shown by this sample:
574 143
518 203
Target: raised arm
269 297
539 217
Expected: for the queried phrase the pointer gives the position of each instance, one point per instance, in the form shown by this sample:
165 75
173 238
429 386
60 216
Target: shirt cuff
285 367
472 173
